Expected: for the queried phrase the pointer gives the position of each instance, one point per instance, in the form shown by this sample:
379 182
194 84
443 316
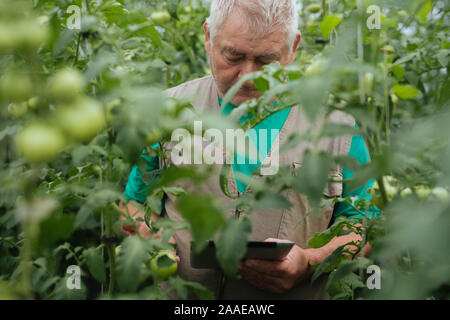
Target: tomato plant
79 106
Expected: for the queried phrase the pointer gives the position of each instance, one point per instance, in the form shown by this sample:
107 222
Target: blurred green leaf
328 24
405 91
232 244
203 214
95 263
133 254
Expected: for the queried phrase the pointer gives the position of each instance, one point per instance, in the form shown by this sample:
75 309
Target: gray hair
262 16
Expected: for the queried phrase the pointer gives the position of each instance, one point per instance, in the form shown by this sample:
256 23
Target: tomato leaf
95 263
405 91
232 244
328 24
132 255
204 216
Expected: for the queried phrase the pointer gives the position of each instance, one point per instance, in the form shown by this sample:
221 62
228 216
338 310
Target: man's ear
207 38
294 47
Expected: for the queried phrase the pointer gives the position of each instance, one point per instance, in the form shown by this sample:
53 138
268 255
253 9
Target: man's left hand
277 276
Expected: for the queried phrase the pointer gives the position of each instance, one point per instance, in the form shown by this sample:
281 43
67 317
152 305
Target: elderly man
241 37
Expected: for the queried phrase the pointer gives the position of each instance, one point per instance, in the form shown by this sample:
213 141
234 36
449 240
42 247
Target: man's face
235 54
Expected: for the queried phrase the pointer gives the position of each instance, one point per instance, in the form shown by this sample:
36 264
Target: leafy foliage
59 188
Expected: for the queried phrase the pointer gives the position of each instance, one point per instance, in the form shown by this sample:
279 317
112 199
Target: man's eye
233 60
267 61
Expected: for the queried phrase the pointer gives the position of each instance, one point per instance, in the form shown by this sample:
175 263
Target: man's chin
241 98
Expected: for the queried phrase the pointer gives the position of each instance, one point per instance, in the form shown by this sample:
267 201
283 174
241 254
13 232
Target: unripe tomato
82 119
440 193
423 192
405 192
97 170
389 187
31 33
66 84
394 98
33 102
16 87
17 109
110 115
164 264
314 8
8 39
170 106
317 67
39 143
368 81
160 16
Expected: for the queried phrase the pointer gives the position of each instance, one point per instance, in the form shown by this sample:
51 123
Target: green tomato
170 106
66 84
317 67
33 102
31 34
389 187
440 193
97 170
394 98
405 192
164 264
8 40
110 110
368 81
160 16
40 143
17 109
16 87
314 8
423 192
83 119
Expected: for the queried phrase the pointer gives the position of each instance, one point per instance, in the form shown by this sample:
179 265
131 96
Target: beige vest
281 224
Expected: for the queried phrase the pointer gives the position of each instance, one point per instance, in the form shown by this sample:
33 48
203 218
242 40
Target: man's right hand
141 226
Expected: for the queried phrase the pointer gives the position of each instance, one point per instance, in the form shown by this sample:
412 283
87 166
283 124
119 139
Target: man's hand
141 226
280 276
277 276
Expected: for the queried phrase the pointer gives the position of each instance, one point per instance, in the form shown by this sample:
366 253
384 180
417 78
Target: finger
127 232
276 240
126 228
267 267
265 282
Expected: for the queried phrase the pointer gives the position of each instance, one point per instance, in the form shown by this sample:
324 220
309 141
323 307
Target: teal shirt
137 189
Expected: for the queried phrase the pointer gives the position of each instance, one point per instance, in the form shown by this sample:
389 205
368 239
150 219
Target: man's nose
248 67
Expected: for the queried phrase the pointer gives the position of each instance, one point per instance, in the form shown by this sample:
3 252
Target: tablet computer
255 250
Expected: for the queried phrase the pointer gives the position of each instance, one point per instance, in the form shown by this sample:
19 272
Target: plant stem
25 257
78 49
111 254
382 191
